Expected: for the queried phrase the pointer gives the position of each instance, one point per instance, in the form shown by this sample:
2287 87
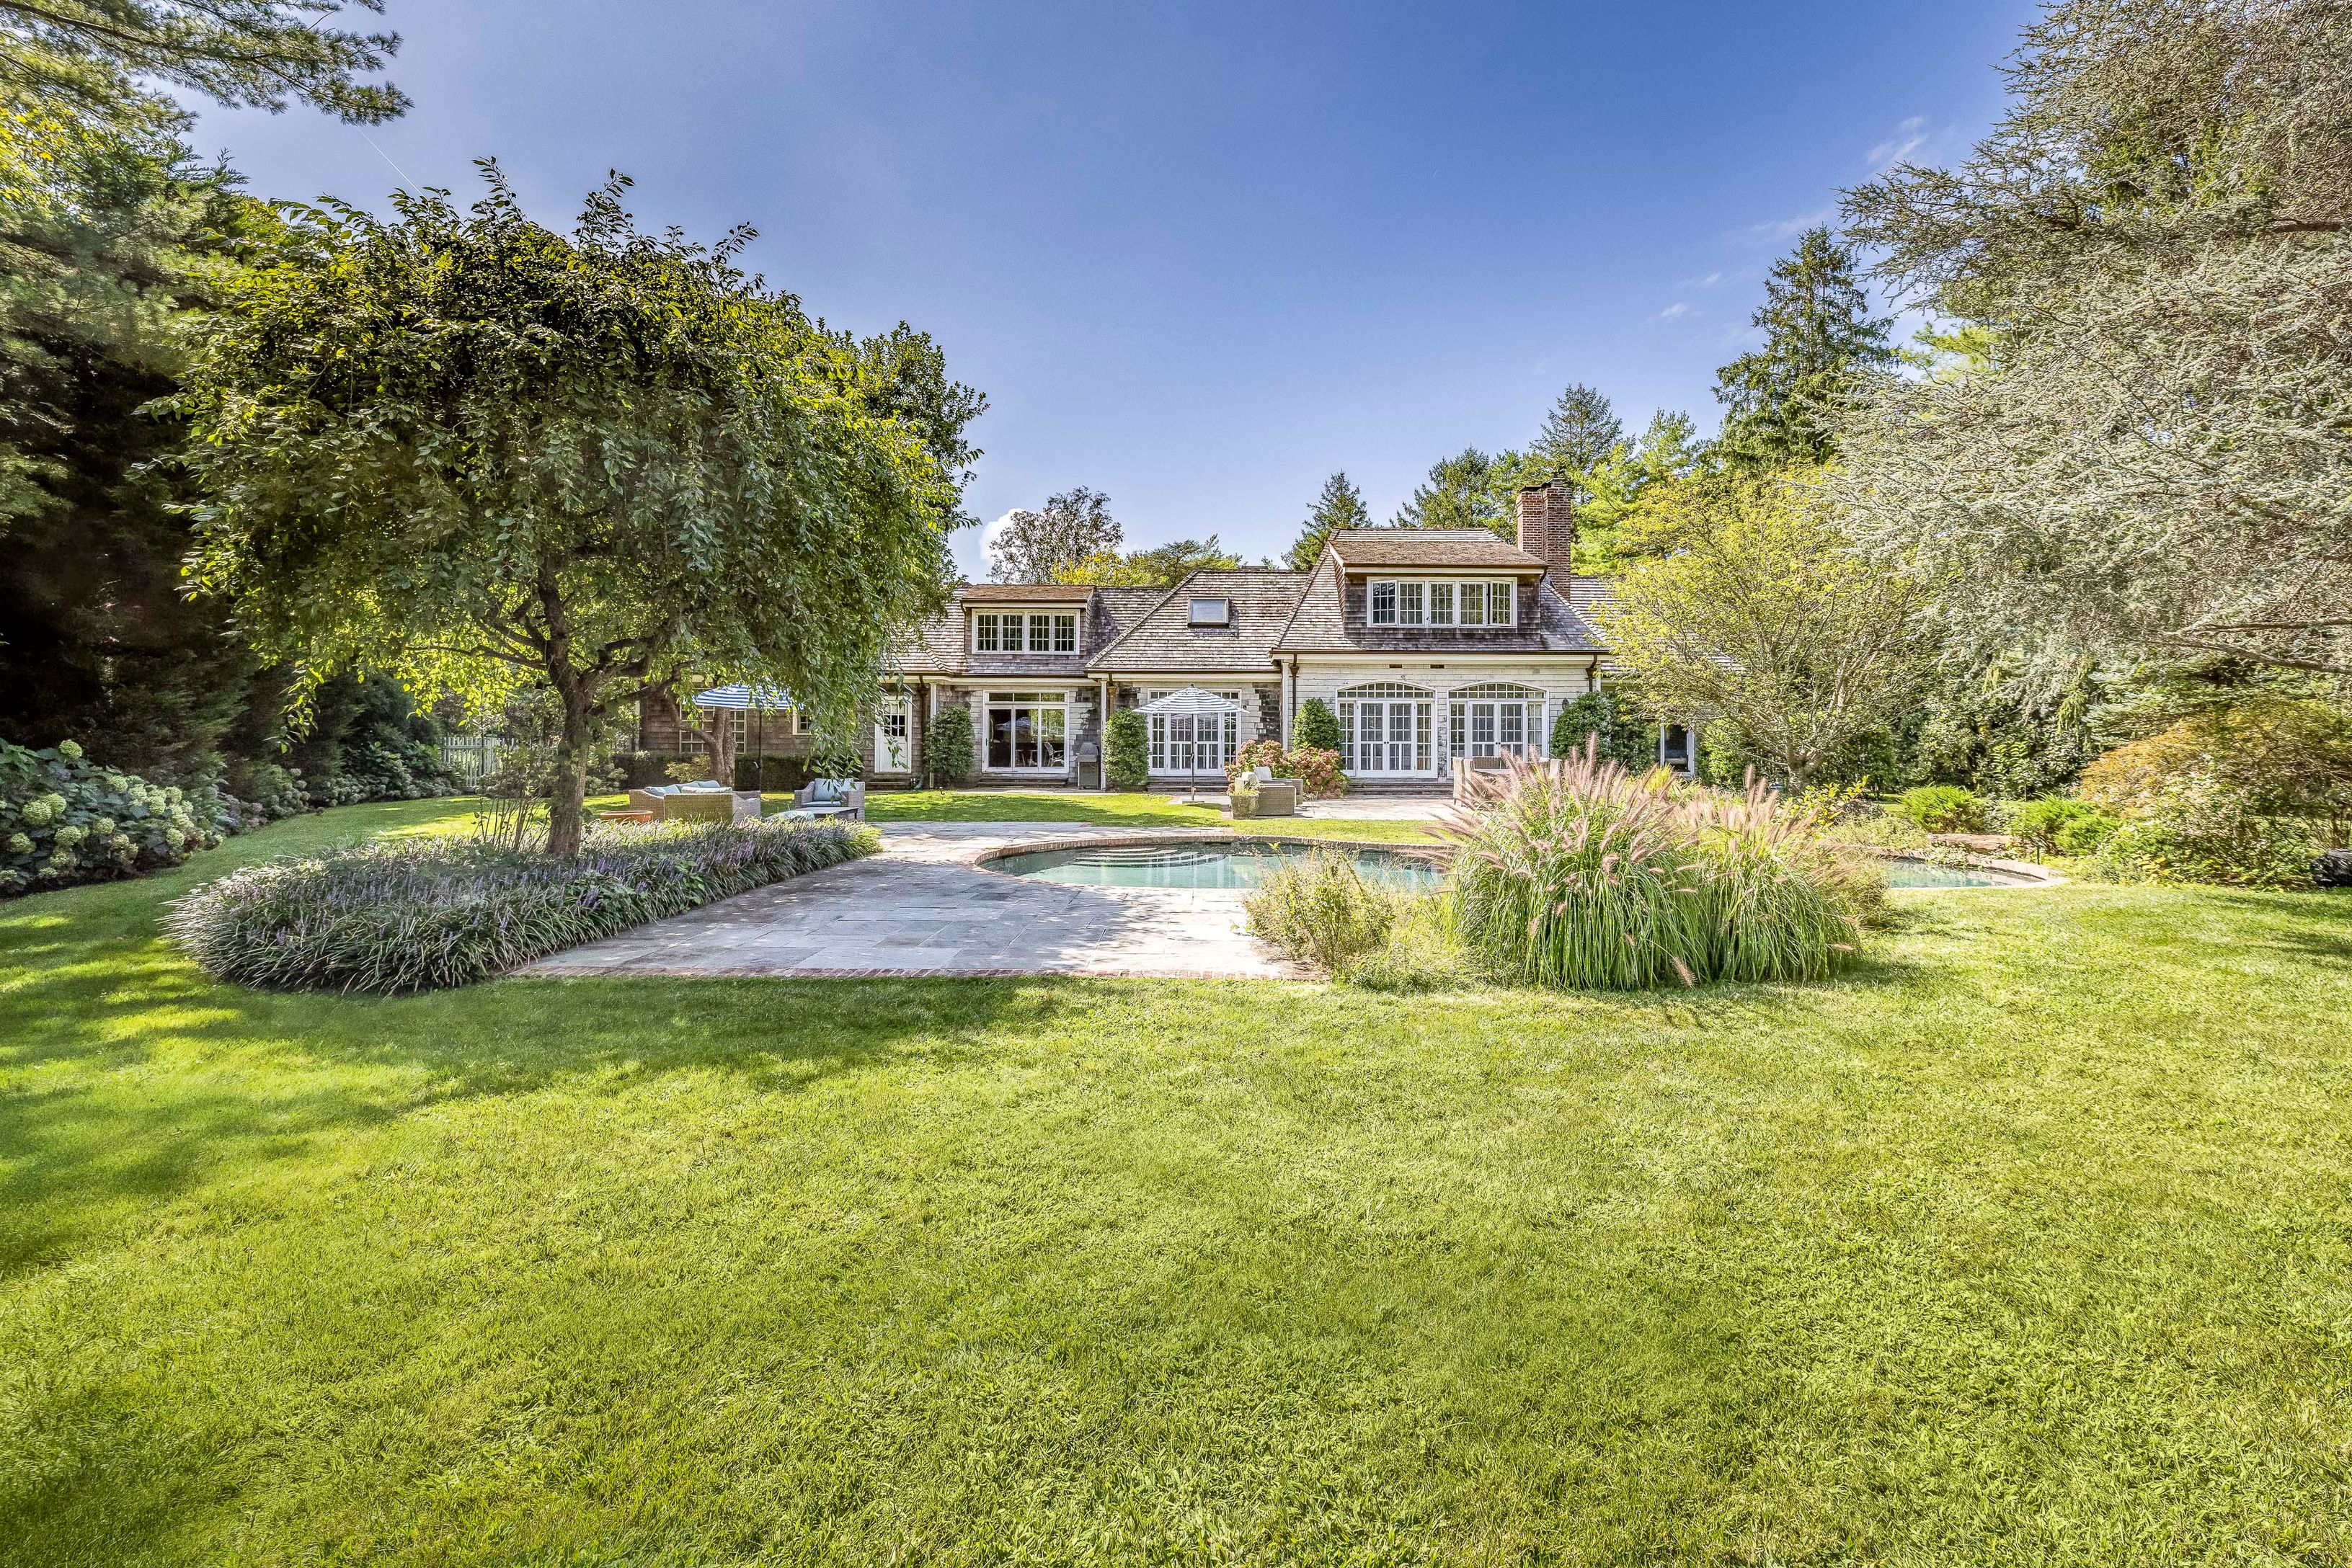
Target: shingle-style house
1428 643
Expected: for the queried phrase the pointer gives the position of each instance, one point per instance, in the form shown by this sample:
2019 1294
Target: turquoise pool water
1921 874
1194 866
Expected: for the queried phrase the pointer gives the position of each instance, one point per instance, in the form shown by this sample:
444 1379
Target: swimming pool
1906 872
1197 863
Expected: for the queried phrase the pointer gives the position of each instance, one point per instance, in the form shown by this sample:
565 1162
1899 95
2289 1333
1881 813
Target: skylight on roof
1213 612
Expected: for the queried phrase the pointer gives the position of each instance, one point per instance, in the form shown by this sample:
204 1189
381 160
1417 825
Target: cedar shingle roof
1359 548
1164 642
938 646
1025 592
1320 625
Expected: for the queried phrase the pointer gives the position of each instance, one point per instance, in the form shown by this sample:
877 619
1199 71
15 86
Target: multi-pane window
1192 743
1495 720
1014 633
1027 731
1404 602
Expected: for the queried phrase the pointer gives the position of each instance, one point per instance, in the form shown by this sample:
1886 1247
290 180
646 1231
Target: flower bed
428 914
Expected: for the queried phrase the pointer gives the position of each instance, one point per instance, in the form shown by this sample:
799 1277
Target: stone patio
922 906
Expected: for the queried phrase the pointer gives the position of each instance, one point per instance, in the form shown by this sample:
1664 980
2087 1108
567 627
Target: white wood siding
1561 681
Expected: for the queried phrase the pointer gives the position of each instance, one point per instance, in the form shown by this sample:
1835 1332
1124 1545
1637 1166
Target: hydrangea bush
65 820
1315 767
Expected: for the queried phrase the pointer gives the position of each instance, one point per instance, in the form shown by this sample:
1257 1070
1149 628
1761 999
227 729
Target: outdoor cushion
828 792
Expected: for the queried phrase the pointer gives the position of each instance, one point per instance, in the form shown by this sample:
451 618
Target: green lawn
2029 1243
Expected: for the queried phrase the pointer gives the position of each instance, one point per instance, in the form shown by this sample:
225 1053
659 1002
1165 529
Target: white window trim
1022 623
1025 698
1408 602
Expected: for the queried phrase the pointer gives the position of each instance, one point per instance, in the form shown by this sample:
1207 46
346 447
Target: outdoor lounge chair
828 798
1271 797
707 801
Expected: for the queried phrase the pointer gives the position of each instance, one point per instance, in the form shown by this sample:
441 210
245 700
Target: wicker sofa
690 803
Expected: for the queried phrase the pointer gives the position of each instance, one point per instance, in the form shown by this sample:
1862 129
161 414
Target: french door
1187 744
1496 720
1384 729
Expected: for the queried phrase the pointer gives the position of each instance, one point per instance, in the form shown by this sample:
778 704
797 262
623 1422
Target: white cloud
1678 308
1790 228
1907 139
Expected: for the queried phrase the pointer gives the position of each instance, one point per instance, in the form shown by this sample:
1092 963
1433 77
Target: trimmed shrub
947 747
643 769
1575 874
1321 911
1625 738
2082 835
65 820
1944 809
424 914
2038 823
1317 727
1126 750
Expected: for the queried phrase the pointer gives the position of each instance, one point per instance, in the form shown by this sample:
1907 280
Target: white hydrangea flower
67 749
19 845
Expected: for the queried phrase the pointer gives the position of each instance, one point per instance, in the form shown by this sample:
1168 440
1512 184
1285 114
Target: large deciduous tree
1072 529
1822 347
1158 566
489 455
2146 445
1751 608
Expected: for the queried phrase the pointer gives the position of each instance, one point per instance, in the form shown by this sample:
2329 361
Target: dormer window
1015 632
1213 612
1404 602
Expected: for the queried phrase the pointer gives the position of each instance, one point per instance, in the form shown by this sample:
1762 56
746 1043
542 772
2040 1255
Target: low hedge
421 915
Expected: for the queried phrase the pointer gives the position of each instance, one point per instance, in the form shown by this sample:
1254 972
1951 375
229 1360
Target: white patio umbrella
1194 703
760 698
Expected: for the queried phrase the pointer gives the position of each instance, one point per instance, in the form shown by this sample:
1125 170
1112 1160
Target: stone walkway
923 907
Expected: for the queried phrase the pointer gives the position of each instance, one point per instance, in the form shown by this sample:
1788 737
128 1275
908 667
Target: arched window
1384 729
1496 719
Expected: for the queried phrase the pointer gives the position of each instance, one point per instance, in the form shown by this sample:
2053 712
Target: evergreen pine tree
1579 433
1461 492
1340 506
1821 345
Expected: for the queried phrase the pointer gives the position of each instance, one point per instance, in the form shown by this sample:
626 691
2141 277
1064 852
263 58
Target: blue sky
1201 256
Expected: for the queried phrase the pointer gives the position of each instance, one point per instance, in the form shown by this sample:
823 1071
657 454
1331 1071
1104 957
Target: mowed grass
2029 1243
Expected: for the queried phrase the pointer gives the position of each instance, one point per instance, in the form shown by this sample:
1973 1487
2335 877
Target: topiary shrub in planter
1126 750
948 748
420 914
65 820
1579 875
1944 809
1317 728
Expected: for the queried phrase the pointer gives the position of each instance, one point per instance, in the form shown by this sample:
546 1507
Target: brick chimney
1547 531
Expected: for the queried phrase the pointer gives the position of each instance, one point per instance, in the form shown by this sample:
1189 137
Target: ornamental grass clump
427 914
1578 874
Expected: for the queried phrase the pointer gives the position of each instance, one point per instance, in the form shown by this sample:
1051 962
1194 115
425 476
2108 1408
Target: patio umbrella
739 696
1194 703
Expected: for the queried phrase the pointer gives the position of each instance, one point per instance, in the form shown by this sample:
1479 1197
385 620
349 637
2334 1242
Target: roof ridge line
1157 605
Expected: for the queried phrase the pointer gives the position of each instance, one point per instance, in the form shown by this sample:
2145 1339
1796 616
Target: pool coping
978 858
2027 873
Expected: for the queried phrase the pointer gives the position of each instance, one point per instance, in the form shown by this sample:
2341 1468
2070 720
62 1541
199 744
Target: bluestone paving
924 907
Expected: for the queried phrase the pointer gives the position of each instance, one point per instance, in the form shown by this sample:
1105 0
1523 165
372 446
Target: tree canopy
1783 400
1579 434
1072 529
1460 492
1161 566
79 56
1751 608
1340 505
2146 446
463 446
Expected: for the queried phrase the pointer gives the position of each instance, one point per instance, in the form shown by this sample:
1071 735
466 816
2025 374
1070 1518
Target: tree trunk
566 810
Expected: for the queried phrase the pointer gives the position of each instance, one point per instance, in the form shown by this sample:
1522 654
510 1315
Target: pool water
1903 872
1197 865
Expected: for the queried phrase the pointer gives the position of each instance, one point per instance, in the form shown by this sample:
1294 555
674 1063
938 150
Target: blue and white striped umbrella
740 695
